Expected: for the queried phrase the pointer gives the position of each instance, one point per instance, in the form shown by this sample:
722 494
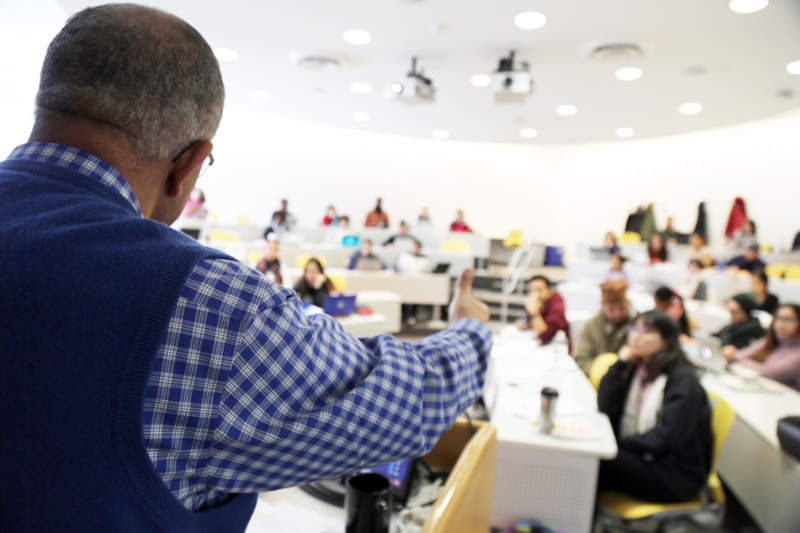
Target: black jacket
741 335
682 438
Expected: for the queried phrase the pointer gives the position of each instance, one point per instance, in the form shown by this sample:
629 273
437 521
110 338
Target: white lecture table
765 479
364 325
541 476
386 303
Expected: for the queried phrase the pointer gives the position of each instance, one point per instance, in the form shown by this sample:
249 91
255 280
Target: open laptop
339 305
369 263
350 240
709 353
441 268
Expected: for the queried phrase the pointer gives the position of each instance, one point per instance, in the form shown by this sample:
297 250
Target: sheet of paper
287 517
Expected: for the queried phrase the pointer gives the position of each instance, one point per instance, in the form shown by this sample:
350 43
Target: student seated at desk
744 328
693 286
671 303
402 239
617 272
764 300
270 265
377 218
364 259
607 331
413 262
777 355
545 312
657 251
660 414
749 262
330 218
458 225
314 287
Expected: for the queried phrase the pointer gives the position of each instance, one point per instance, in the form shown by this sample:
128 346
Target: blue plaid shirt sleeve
248 394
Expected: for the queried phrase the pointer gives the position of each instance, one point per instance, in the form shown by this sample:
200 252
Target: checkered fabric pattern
248 394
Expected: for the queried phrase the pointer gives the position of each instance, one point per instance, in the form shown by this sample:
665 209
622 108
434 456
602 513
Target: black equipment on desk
789 435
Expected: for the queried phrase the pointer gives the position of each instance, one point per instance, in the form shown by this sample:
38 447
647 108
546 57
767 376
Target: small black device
441 268
400 473
194 233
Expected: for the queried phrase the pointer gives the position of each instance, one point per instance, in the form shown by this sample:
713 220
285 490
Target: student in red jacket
545 312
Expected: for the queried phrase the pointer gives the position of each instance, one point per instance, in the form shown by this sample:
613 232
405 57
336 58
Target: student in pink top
777 355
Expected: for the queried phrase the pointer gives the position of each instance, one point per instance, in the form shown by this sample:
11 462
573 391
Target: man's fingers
464 285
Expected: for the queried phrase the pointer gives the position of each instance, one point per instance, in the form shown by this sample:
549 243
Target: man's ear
185 166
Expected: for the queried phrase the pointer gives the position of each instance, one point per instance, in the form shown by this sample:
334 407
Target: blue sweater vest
86 291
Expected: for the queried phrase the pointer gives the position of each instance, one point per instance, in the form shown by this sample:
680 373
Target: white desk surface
294 511
365 325
759 410
520 369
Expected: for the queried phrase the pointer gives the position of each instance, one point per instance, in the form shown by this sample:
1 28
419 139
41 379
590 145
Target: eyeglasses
640 331
207 162
786 319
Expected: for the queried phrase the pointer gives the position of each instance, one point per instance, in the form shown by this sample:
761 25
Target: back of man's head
144 72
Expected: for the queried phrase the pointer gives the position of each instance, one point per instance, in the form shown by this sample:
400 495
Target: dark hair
344 217
664 294
672 355
747 303
772 341
696 262
701 235
752 224
622 258
542 278
279 215
158 83
762 276
378 208
303 288
662 253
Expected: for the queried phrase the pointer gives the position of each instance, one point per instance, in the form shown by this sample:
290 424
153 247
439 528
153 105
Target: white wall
561 194
556 194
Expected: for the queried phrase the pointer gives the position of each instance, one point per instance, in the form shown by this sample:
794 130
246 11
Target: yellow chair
243 219
629 237
253 257
707 509
600 366
776 270
302 260
792 272
224 235
514 239
339 282
455 246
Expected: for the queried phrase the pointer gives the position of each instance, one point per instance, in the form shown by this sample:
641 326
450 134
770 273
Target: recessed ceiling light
361 117
361 88
629 73
481 80
566 110
690 108
226 54
747 6
624 133
793 67
441 134
259 95
528 133
530 20
357 37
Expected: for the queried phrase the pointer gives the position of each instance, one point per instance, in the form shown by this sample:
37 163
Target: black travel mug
368 502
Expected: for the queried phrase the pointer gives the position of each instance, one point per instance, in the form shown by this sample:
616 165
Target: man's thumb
464 285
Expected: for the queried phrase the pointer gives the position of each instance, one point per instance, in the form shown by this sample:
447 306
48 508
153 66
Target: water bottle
560 346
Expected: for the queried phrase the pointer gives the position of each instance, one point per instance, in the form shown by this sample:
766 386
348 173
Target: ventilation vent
612 51
318 63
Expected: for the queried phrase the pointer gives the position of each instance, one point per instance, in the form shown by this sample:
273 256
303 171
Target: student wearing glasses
777 355
660 414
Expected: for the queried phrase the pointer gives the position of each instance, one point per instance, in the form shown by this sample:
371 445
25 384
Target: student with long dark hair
657 250
777 355
314 287
660 414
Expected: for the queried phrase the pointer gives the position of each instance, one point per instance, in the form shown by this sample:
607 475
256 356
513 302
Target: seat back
224 235
339 282
722 418
455 246
302 260
629 237
600 367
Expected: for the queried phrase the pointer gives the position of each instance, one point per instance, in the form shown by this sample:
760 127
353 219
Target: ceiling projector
414 89
509 85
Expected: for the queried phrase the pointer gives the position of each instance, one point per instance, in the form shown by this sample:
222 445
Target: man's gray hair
141 70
